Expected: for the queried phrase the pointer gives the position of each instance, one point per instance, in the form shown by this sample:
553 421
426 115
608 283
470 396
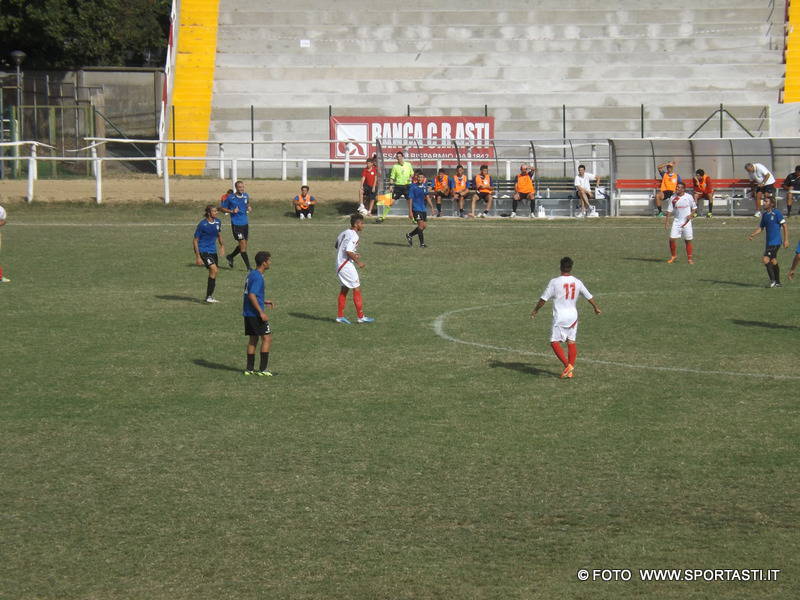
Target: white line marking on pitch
438 329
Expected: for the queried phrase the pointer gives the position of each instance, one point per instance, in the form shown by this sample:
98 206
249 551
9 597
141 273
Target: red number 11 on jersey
569 291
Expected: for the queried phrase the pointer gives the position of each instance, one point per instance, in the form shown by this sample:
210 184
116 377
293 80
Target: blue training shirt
771 222
418 192
207 234
254 284
233 202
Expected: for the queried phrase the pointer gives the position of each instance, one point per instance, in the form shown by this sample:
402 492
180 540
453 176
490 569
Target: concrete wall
292 61
131 99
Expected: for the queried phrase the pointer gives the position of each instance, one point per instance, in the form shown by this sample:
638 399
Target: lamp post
18 56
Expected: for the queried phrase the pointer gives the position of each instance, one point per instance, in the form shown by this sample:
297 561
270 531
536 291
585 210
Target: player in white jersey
682 207
762 183
564 292
347 257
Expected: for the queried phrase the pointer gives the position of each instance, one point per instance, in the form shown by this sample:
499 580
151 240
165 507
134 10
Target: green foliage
63 34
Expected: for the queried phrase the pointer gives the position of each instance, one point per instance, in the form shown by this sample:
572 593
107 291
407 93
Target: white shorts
562 334
348 276
681 232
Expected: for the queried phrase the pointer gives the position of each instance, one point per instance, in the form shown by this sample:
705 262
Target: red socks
572 350
689 250
559 352
673 250
358 302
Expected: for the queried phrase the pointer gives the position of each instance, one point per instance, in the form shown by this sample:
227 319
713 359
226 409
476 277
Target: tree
66 34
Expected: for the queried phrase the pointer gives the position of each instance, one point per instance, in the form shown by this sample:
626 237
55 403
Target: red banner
421 138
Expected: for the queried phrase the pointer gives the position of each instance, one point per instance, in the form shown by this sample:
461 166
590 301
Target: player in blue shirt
256 324
418 193
237 205
206 236
777 234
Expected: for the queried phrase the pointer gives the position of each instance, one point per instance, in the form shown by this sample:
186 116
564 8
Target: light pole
18 56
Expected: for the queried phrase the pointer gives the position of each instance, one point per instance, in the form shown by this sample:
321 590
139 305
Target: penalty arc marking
439 330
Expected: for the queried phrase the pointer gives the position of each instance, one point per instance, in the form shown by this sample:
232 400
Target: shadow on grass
181 299
390 244
345 208
736 283
640 259
526 368
300 315
201 362
764 324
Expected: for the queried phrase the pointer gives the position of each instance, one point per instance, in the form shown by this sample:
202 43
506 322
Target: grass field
432 454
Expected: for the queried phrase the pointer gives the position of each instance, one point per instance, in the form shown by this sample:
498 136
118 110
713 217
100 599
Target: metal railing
506 154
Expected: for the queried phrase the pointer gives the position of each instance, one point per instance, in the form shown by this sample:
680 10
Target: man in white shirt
682 207
763 183
564 291
347 258
3 222
583 187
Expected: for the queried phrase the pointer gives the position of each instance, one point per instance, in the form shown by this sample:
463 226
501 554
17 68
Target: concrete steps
443 15
523 61
494 31
369 58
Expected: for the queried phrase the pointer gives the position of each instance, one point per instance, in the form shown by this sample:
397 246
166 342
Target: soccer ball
362 211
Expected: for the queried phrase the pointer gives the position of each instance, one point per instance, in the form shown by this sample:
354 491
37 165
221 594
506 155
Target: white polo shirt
584 182
759 173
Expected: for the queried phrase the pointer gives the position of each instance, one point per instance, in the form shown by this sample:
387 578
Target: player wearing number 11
564 292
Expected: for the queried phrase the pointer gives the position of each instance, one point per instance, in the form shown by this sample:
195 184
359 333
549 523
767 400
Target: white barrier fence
228 167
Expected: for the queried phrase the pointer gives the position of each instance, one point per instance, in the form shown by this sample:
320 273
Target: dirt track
151 189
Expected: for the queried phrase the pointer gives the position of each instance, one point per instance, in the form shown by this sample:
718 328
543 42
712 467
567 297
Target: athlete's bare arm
536 308
794 266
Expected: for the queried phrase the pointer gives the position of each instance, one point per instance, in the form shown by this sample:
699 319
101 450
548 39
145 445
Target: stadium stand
292 61
792 54
194 79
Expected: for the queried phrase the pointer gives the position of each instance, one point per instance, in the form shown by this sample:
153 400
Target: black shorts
465 193
484 196
772 251
441 194
240 232
255 326
667 194
400 191
766 189
209 258
369 194
420 215
524 195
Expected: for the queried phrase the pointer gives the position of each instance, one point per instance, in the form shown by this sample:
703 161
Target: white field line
438 329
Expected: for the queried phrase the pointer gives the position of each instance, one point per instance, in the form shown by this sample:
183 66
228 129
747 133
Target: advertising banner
408 133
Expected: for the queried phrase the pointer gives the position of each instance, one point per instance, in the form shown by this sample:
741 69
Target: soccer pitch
434 453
